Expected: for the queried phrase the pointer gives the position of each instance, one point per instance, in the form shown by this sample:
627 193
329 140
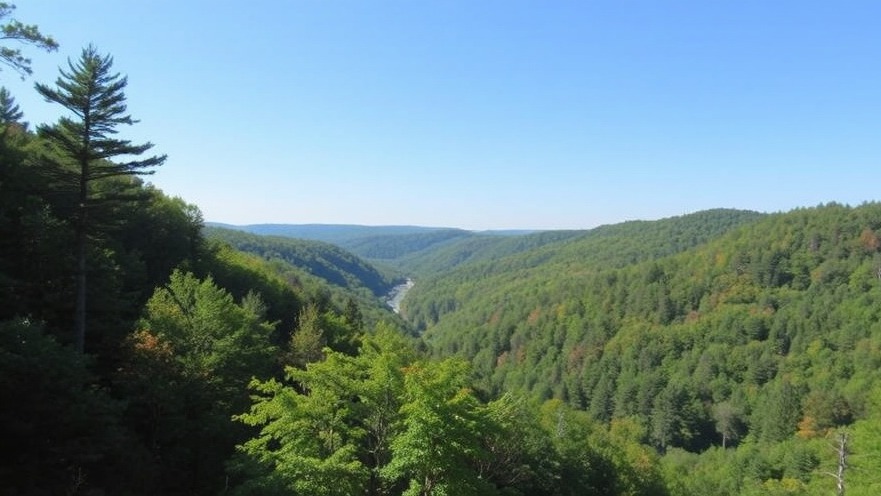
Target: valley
397 295
714 334
682 297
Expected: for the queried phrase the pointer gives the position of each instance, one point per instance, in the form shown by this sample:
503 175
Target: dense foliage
177 325
330 276
387 421
386 241
466 273
723 352
415 251
325 261
765 338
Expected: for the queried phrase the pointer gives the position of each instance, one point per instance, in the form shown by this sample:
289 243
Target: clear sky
486 114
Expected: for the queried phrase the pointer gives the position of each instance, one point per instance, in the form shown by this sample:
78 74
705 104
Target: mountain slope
541 258
777 322
323 260
370 242
410 249
338 234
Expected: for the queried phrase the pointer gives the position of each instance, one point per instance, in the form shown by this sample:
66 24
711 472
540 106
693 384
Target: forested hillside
451 281
371 242
127 339
442 259
338 234
323 260
763 337
139 357
326 271
724 352
409 250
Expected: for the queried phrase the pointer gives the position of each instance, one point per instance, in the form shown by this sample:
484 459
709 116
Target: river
394 297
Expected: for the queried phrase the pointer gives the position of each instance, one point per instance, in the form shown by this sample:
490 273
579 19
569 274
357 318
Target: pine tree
9 111
95 97
14 30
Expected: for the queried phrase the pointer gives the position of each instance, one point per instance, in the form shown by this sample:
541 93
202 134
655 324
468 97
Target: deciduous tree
187 371
441 438
328 430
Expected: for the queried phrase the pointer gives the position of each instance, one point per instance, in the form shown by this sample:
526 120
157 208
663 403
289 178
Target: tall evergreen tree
95 97
9 111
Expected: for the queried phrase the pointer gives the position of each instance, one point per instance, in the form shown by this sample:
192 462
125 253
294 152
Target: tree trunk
80 312
842 463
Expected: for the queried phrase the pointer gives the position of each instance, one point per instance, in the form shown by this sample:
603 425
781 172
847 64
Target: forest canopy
723 352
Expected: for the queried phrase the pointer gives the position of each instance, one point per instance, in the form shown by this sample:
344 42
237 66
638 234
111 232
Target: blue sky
487 114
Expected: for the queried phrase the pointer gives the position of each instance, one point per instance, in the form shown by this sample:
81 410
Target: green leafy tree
95 97
213 337
189 364
522 459
582 470
384 356
309 440
353 314
729 423
14 30
442 426
308 340
779 411
328 429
